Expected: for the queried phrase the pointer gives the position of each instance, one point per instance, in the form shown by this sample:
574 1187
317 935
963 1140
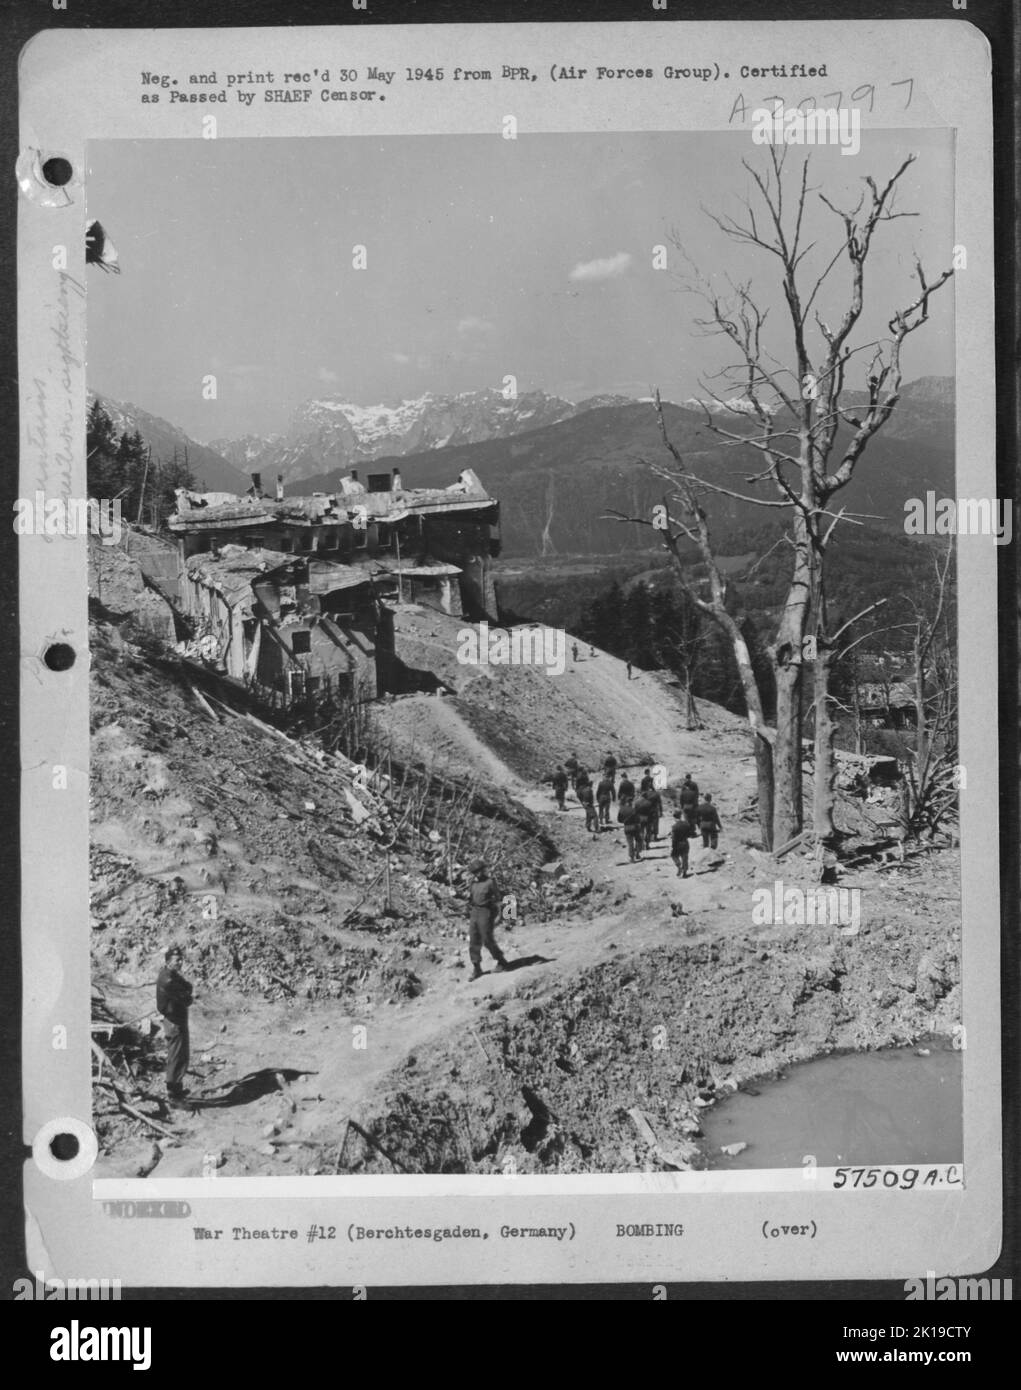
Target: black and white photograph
509 539
524 683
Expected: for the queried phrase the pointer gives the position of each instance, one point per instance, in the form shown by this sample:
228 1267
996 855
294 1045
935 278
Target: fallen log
204 704
790 844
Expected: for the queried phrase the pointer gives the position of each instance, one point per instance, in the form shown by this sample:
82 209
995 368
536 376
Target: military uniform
709 824
630 817
484 906
587 799
680 834
173 1000
689 802
559 780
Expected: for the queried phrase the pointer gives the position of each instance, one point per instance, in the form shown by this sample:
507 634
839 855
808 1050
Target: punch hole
65 1149
44 179
59 656
57 171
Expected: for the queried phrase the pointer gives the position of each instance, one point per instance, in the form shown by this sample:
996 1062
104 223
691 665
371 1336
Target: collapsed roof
352 504
232 571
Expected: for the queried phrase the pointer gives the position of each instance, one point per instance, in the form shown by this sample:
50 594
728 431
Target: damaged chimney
395 481
256 484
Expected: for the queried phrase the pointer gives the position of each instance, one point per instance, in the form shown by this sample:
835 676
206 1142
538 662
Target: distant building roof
210 510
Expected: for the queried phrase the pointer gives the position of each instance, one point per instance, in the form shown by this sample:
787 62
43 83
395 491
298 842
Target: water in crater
890 1106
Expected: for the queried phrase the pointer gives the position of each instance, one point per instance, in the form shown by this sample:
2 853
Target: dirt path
350 1053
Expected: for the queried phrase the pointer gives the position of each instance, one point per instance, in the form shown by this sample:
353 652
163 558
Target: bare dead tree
933 777
681 649
808 441
689 519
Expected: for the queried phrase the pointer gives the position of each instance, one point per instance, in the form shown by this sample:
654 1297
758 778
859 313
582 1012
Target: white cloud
324 374
401 358
605 269
473 324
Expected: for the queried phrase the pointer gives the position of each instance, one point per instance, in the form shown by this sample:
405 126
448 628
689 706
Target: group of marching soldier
639 809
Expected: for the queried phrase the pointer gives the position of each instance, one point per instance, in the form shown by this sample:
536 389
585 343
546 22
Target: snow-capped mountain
326 434
736 405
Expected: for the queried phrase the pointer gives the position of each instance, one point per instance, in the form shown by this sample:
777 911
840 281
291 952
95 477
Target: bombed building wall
469 543
287 628
291 594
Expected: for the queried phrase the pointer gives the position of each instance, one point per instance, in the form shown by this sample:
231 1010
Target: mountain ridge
325 432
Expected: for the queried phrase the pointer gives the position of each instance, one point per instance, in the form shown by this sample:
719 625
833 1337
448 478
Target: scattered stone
732 1150
553 871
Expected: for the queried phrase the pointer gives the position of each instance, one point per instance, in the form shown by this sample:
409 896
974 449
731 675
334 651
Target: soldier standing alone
173 1000
484 900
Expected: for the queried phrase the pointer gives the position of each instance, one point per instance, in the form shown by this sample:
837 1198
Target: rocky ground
333 1034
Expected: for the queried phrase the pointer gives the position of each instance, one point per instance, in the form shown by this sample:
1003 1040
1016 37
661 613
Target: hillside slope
211 471
317 1005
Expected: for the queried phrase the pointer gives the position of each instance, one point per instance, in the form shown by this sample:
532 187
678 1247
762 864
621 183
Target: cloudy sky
485 258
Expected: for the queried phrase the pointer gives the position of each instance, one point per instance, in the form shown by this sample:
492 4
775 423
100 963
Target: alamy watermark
785 125
519 646
68 516
950 1289
960 516
53 1290
807 907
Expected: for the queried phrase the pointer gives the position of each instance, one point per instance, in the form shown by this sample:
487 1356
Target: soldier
572 765
559 780
610 766
680 834
689 800
709 822
626 790
582 781
647 784
634 831
484 904
604 796
574 650
173 1000
643 806
585 796
630 668
655 811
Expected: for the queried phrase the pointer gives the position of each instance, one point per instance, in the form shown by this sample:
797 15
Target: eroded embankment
548 1082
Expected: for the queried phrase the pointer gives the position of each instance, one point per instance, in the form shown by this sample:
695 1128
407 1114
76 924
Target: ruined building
288 628
294 596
